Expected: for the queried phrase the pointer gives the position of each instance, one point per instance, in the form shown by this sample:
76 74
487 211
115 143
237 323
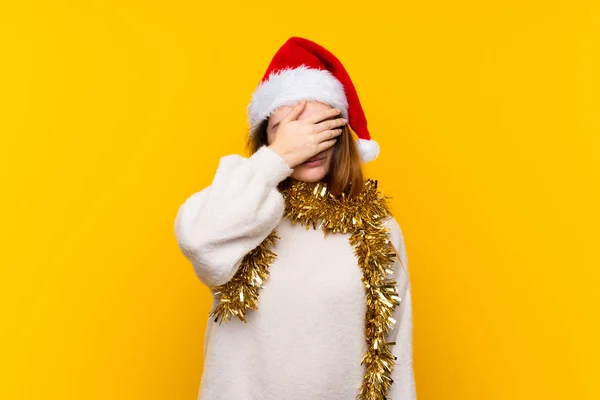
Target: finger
321 115
329 124
295 112
326 145
328 134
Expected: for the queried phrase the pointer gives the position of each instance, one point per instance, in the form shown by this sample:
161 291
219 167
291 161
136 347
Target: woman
306 264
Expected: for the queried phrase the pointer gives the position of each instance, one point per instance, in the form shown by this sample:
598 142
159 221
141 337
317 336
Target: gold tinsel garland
361 216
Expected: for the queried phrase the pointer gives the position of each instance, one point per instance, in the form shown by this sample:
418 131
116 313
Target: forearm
217 226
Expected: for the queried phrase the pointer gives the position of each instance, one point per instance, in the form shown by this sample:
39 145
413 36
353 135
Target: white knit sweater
306 339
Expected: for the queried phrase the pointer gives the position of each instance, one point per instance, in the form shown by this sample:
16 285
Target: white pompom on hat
302 69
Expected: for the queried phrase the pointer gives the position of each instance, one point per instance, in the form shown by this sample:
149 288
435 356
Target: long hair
345 173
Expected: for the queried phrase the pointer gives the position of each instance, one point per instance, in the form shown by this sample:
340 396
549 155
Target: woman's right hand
298 140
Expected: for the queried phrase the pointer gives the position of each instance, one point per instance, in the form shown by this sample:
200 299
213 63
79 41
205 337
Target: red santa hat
302 69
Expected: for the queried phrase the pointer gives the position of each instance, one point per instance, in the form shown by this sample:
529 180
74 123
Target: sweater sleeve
403 387
217 226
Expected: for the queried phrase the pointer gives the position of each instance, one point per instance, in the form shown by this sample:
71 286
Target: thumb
295 112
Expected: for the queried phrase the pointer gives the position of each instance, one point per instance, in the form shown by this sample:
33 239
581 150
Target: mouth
314 161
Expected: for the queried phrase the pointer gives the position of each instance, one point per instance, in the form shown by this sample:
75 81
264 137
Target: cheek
330 153
329 158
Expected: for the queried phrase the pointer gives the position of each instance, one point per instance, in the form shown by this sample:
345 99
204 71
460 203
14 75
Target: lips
313 159
317 157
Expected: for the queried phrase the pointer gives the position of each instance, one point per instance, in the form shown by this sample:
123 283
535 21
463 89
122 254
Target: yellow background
113 112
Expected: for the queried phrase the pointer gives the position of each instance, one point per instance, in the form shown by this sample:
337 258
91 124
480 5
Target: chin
306 174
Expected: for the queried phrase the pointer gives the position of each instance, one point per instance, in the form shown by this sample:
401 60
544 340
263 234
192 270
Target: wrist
270 165
286 156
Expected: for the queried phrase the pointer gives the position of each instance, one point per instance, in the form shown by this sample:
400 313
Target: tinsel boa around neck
312 205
